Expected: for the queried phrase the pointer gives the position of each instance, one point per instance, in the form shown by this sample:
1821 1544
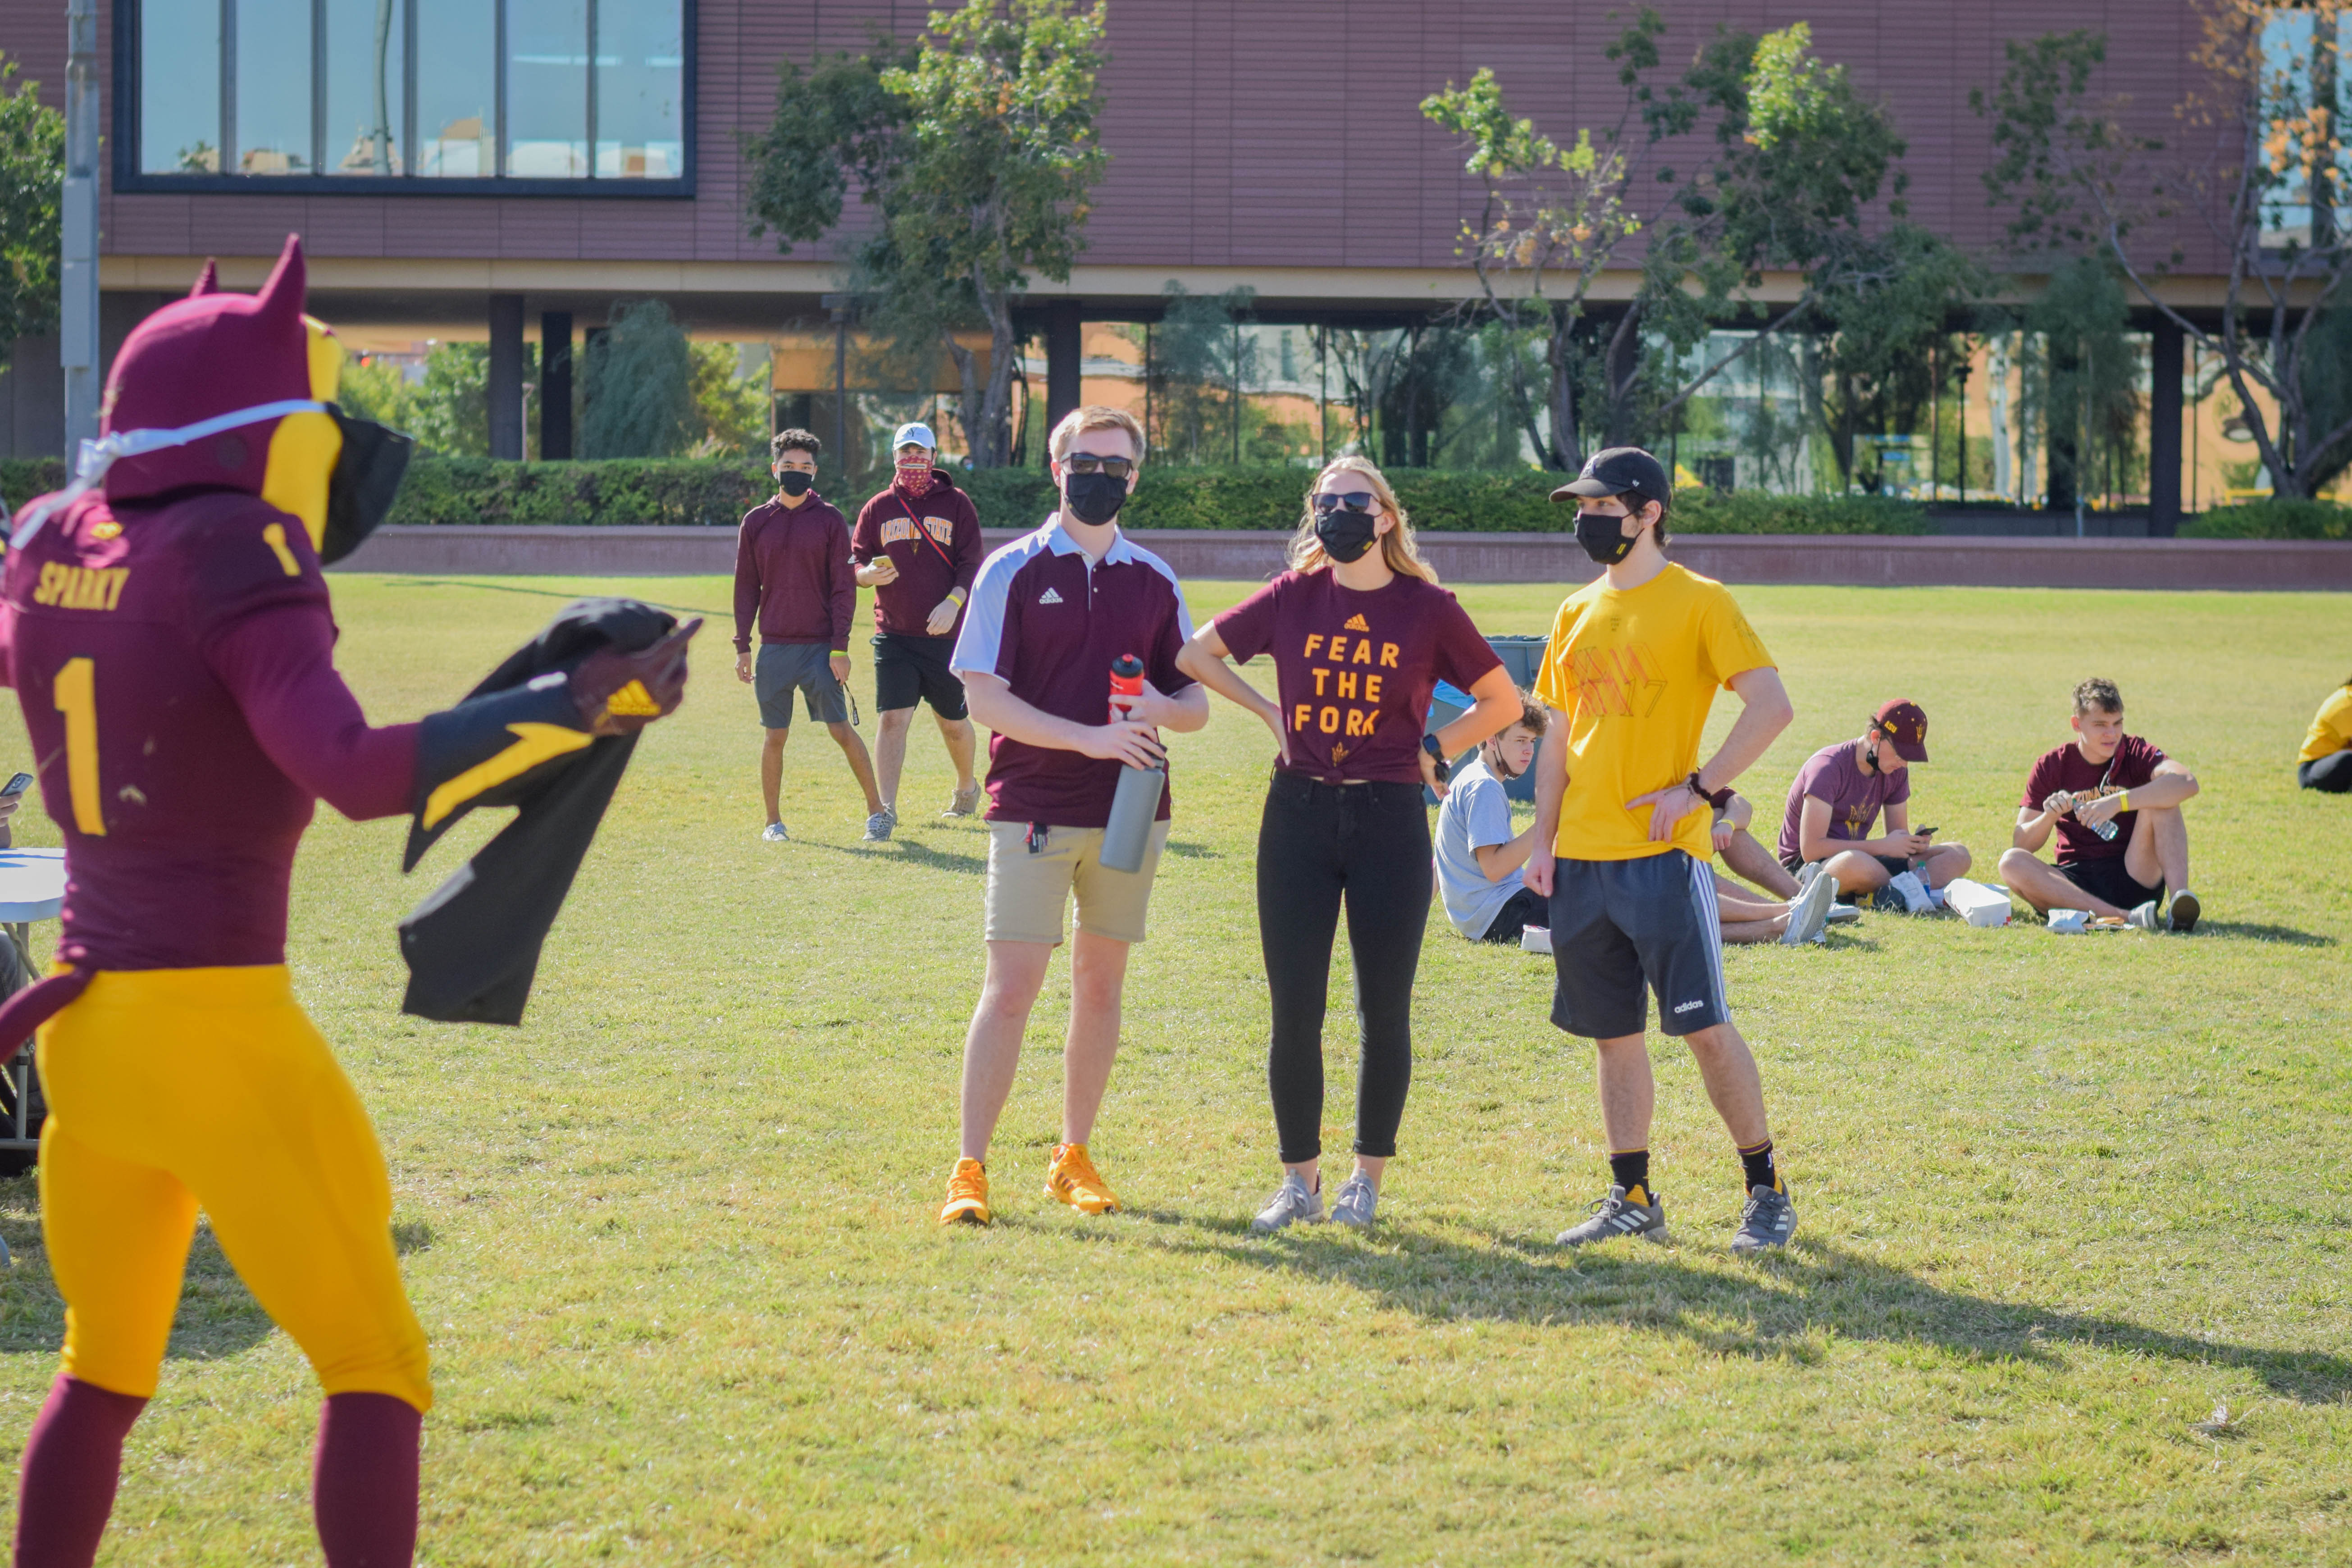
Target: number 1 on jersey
75 692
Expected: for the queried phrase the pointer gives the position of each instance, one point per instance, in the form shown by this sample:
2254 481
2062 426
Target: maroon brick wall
1241 134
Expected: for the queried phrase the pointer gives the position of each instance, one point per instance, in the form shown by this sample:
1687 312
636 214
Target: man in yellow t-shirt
1622 839
2326 763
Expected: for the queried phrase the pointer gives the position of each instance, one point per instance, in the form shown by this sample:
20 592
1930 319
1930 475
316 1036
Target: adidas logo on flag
1355 624
1049 597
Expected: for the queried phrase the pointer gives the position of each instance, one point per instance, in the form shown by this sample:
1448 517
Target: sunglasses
1088 463
1354 501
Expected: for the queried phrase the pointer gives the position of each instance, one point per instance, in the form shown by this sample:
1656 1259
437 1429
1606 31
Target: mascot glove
617 692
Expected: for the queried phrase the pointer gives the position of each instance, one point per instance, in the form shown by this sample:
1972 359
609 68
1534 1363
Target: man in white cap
917 546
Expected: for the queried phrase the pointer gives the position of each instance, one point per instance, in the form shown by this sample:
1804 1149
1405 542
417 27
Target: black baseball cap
1620 470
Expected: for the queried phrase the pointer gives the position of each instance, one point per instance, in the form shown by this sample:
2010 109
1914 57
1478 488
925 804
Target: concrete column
555 386
1064 359
505 376
2164 354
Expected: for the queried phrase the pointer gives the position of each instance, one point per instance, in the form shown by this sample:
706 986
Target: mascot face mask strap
166 428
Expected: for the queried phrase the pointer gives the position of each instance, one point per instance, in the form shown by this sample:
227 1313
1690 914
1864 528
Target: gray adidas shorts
1620 928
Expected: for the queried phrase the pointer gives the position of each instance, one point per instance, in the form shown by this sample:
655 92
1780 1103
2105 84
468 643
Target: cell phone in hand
17 785
1924 832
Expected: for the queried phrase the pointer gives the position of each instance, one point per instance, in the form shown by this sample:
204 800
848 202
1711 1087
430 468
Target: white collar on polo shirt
1058 539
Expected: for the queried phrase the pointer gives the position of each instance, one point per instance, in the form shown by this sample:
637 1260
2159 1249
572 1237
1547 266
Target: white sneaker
1353 1207
1292 1204
2144 918
1810 911
772 834
1807 872
1839 914
1912 891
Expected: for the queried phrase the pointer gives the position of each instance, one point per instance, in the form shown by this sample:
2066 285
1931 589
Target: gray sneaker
1768 1221
878 826
1292 1204
964 802
1617 1215
1807 872
1353 1207
1810 911
2182 916
2144 918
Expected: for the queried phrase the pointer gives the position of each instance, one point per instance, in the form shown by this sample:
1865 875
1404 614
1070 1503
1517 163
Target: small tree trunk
1560 358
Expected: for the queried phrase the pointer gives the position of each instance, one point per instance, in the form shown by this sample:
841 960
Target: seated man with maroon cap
1835 801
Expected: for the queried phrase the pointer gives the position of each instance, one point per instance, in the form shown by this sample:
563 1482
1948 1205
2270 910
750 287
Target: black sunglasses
1354 501
1088 463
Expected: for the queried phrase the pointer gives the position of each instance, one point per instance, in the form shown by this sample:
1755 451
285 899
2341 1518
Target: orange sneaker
967 1195
1072 1179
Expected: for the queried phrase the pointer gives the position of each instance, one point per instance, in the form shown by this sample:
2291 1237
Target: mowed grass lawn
2063 1198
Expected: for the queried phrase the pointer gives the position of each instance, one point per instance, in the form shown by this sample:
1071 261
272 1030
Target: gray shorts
783 665
1619 927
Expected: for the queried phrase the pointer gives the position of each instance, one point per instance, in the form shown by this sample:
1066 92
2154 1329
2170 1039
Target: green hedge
2271 519
717 491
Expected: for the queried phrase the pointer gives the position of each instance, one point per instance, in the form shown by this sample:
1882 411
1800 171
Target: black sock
1756 1167
1630 1170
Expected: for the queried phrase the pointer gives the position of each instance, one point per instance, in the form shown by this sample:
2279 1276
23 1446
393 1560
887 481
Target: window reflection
179 67
365 86
547 88
273 87
640 81
456 89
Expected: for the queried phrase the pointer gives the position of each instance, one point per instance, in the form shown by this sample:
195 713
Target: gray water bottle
1127 837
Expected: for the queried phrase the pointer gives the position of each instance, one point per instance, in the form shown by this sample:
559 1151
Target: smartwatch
1436 751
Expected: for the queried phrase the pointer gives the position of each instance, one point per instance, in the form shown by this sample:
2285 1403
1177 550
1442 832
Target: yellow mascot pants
175 1089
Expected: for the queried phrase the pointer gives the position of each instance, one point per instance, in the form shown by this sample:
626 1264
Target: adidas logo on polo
1049 597
1355 624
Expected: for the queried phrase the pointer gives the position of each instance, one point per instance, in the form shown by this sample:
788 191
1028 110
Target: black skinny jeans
1320 844
2331 774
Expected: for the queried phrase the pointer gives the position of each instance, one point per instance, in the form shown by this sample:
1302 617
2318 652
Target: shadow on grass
539 593
2245 931
909 851
1187 850
1774 1308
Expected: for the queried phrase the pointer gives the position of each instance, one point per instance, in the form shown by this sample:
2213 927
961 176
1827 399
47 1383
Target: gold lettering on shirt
1312 638
1371 689
1364 651
1339 649
1328 721
1617 682
274 536
81 587
1347 684
1388 655
1321 677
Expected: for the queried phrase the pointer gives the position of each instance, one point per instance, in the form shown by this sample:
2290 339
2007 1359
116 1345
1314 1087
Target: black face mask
1094 498
367 476
793 482
1345 534
1602 535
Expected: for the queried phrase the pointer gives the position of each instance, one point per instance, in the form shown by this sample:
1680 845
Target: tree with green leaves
636 386
1552 219
2260 164
32 186
976 147
1883 346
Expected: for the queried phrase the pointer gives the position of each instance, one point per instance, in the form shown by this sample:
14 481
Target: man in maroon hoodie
792 575
917 546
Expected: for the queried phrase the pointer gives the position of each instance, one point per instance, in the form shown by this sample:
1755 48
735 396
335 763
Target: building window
506 95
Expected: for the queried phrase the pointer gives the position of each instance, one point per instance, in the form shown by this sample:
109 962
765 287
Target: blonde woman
1360 634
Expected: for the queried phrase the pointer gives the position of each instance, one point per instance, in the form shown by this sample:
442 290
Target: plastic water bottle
1128 838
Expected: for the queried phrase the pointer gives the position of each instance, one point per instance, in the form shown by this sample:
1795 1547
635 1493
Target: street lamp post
839 304
77 275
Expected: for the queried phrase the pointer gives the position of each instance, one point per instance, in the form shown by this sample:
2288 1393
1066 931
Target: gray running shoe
2144 918
1353 1207
963 802
1292 1204
1842 914
1617 1215
878 826
772 834
2185 910
1810 911
1807 872
1768 1221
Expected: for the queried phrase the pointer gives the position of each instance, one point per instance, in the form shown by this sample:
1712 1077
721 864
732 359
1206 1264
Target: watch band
1719 799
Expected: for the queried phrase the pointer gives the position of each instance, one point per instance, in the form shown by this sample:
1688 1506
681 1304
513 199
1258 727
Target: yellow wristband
2123 801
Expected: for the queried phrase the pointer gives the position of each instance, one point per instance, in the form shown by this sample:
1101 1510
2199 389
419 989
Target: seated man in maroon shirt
917 546
793 577
1834 802
2114 801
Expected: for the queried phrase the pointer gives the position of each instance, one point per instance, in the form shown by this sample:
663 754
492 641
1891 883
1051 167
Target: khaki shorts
1027 893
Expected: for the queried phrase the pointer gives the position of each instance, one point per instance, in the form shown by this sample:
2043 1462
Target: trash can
1521 656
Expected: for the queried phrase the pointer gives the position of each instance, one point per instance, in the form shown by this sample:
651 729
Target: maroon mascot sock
364 1484
72 1461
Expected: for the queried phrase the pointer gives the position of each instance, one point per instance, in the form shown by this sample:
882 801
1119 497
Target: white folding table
32 888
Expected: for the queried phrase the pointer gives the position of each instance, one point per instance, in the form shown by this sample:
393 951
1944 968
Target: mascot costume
165 626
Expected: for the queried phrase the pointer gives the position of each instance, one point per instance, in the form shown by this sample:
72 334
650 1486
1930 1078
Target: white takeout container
1535 939
1976 903
2070 923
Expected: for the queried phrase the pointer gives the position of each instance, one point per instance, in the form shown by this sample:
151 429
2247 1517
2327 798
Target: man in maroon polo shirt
917 546
1048 614
793 577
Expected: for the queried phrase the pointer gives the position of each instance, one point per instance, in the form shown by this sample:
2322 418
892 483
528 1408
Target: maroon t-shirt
791 572
945 556
175 667
2066 768
1354 670
1048 624
1834 775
